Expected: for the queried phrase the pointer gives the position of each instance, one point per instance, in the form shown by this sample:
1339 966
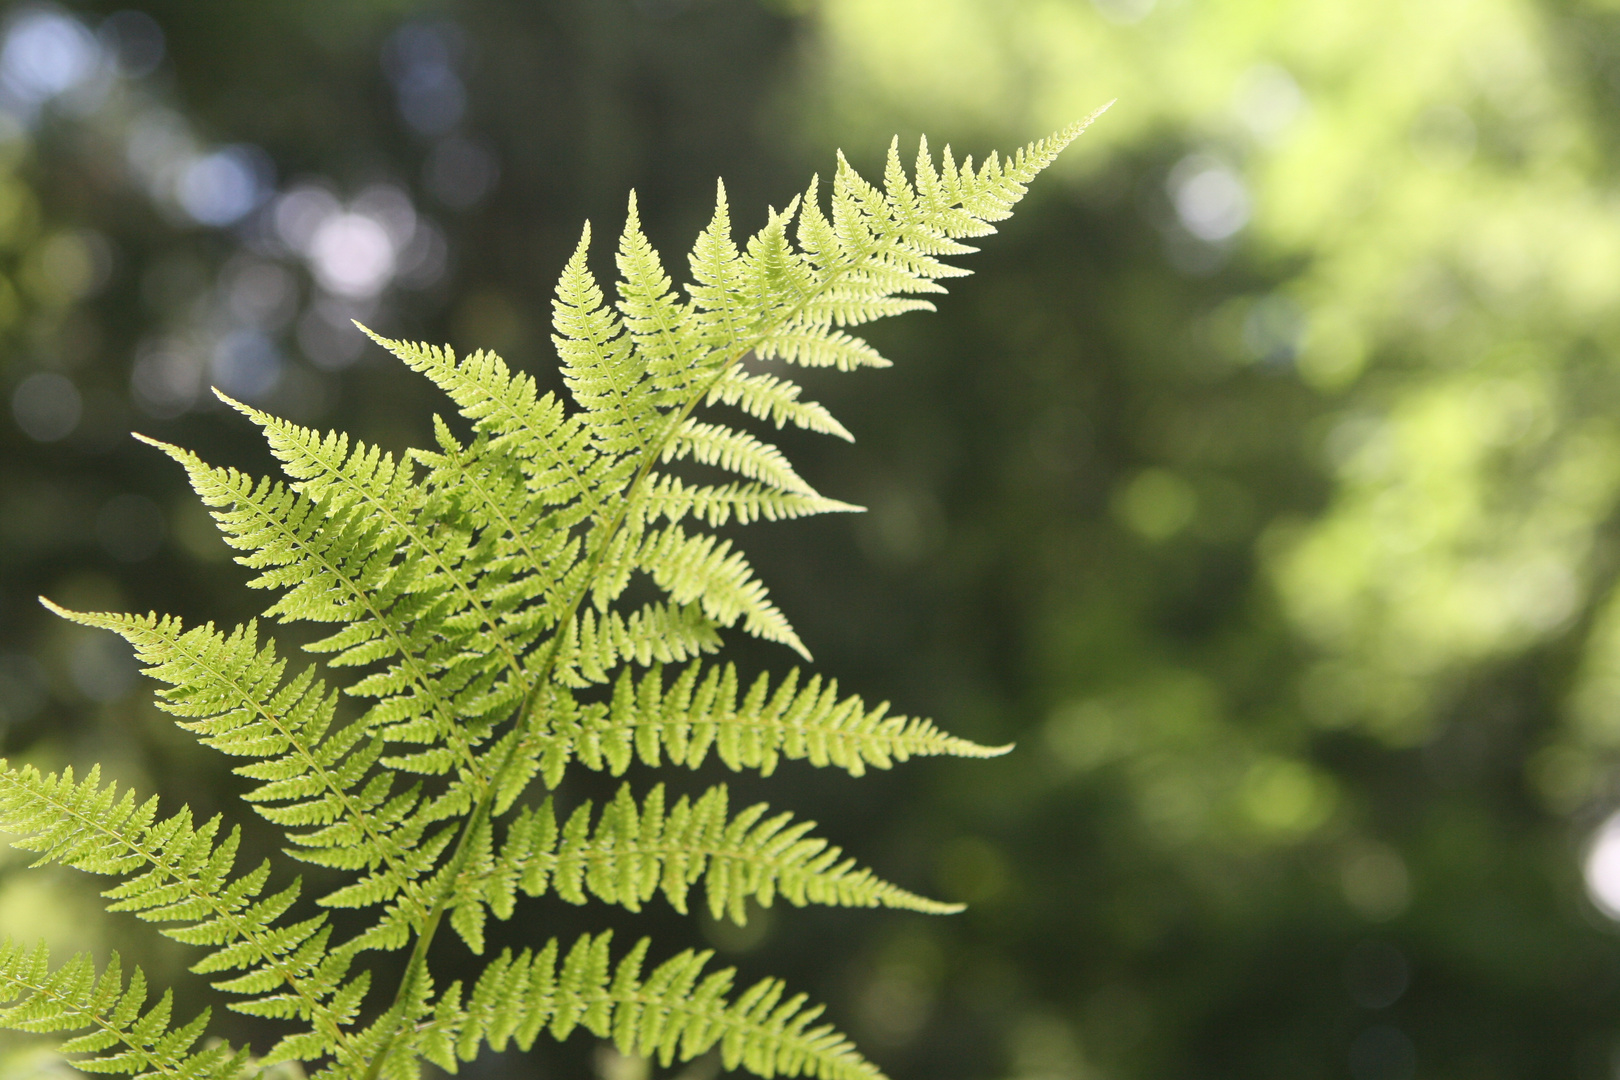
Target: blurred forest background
1262 484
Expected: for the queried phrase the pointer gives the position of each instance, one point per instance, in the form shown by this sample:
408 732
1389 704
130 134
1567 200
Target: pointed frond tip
57 609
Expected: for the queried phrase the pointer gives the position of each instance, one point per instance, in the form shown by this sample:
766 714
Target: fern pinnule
634 852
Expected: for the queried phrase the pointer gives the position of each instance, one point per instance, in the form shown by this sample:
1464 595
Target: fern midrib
424 939
751 724
898 744
361 819
317 1011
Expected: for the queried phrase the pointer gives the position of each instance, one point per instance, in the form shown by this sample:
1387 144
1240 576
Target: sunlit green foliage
483 590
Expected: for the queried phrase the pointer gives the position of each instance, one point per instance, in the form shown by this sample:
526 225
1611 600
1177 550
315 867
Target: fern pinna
479 589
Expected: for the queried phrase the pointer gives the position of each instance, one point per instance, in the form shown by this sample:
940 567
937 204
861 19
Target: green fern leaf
479 596
178 872
635 852
676 1013
777 400
700 712
601 369
119 1036
671 498
230 692
549 446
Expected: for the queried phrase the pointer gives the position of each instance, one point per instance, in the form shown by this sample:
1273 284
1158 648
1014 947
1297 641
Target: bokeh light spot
246 365
67 266
1156 504
1268 101
166 378
47 406
47 53
1602 868
223 187
1375 881
1210 198
352 254
1286 796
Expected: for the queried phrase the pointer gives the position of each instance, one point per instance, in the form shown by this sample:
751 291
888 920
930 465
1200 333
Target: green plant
481 589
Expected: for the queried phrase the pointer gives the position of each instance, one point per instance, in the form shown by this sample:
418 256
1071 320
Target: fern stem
416 966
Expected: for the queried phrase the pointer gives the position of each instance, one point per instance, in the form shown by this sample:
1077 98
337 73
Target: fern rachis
480 588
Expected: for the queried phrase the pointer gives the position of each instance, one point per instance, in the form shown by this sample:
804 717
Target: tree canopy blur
1261 484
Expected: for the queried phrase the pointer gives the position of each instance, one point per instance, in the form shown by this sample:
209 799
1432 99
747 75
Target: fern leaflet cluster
476 602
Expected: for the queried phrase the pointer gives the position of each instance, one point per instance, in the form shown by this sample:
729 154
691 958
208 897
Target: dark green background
1282 804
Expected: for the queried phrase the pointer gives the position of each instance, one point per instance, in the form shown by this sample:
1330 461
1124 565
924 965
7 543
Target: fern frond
182 873
519 420
722 314
230 692
675 1014
775 399
817 346
602 370
634 852
704 569
121 1034
368 483
335 569
486 493
672 498
592 648
480 586
735 451
700 712
656 319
